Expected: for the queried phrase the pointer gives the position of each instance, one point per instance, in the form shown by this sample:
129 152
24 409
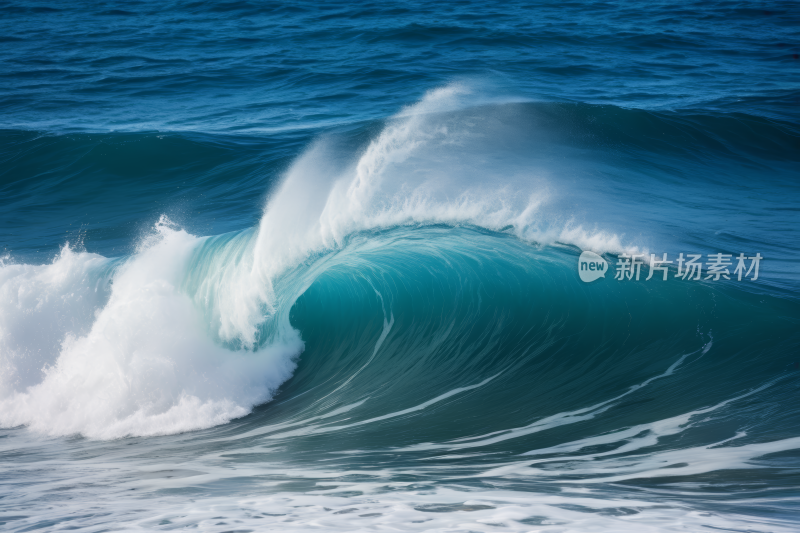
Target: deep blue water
298 267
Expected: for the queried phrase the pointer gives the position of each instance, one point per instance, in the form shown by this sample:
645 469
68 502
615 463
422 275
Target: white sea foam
39 306
146 364
377 503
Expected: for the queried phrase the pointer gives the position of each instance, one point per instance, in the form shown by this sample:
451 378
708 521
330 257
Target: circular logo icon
591 266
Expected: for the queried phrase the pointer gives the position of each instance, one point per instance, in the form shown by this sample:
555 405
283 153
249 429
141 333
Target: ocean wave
191 332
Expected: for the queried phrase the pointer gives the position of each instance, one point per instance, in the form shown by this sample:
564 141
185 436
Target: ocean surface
315 266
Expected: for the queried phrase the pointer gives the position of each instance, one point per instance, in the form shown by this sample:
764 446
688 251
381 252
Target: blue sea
316 266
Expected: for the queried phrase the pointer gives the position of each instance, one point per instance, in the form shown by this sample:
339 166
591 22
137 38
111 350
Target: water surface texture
314 267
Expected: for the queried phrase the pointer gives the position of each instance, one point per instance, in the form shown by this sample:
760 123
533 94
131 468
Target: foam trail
553 421
387 327
694 460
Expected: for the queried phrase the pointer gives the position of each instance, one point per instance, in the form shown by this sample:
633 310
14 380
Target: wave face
361 320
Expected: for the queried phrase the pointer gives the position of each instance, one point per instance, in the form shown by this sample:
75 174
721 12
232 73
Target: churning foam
129 347
146 364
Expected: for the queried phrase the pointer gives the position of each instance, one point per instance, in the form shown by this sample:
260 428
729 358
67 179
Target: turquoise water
291 267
